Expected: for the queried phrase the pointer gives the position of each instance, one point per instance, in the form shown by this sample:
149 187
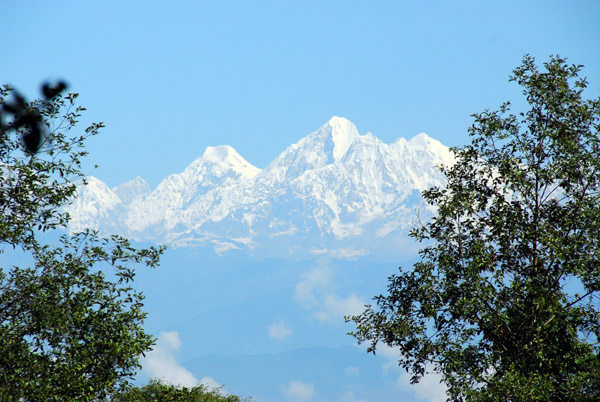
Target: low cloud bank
161 363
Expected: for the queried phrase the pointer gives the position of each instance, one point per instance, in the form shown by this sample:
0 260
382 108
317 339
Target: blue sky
170 78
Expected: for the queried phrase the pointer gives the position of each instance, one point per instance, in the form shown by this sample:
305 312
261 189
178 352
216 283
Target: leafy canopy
158 391
505 302
70 321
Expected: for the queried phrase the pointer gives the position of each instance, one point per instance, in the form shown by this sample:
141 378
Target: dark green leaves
70 320
157 391
492 304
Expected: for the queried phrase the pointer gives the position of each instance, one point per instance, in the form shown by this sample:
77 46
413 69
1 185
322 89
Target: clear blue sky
171 78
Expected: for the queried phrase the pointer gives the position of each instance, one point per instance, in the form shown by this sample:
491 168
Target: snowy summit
334 192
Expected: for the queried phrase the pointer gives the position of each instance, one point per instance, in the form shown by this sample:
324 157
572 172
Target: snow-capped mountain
334 192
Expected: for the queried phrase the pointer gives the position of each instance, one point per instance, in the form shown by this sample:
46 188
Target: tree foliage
35 185
158 391
70 321
505 301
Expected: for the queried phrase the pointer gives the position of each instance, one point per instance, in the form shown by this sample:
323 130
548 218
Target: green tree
70 321
157 391
504 302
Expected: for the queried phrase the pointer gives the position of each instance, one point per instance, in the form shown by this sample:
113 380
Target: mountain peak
220 153
343 133
131 189
420 140
227 157
423 142
337 121
334 190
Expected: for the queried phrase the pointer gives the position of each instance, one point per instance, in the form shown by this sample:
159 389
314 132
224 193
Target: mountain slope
334 192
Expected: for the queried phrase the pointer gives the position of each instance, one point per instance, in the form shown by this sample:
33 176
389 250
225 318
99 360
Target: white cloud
317 278
341 253
170 340
391 353
352 371
298 391
349 397
429 388
334 307
161 363
313 291
279 331
210 383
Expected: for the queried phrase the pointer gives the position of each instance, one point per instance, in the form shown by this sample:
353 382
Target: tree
70 321
157 391
504 302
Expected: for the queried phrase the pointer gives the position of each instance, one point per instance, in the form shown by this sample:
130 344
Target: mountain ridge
334 192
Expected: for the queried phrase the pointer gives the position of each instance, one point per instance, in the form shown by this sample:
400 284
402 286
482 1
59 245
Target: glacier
335 193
